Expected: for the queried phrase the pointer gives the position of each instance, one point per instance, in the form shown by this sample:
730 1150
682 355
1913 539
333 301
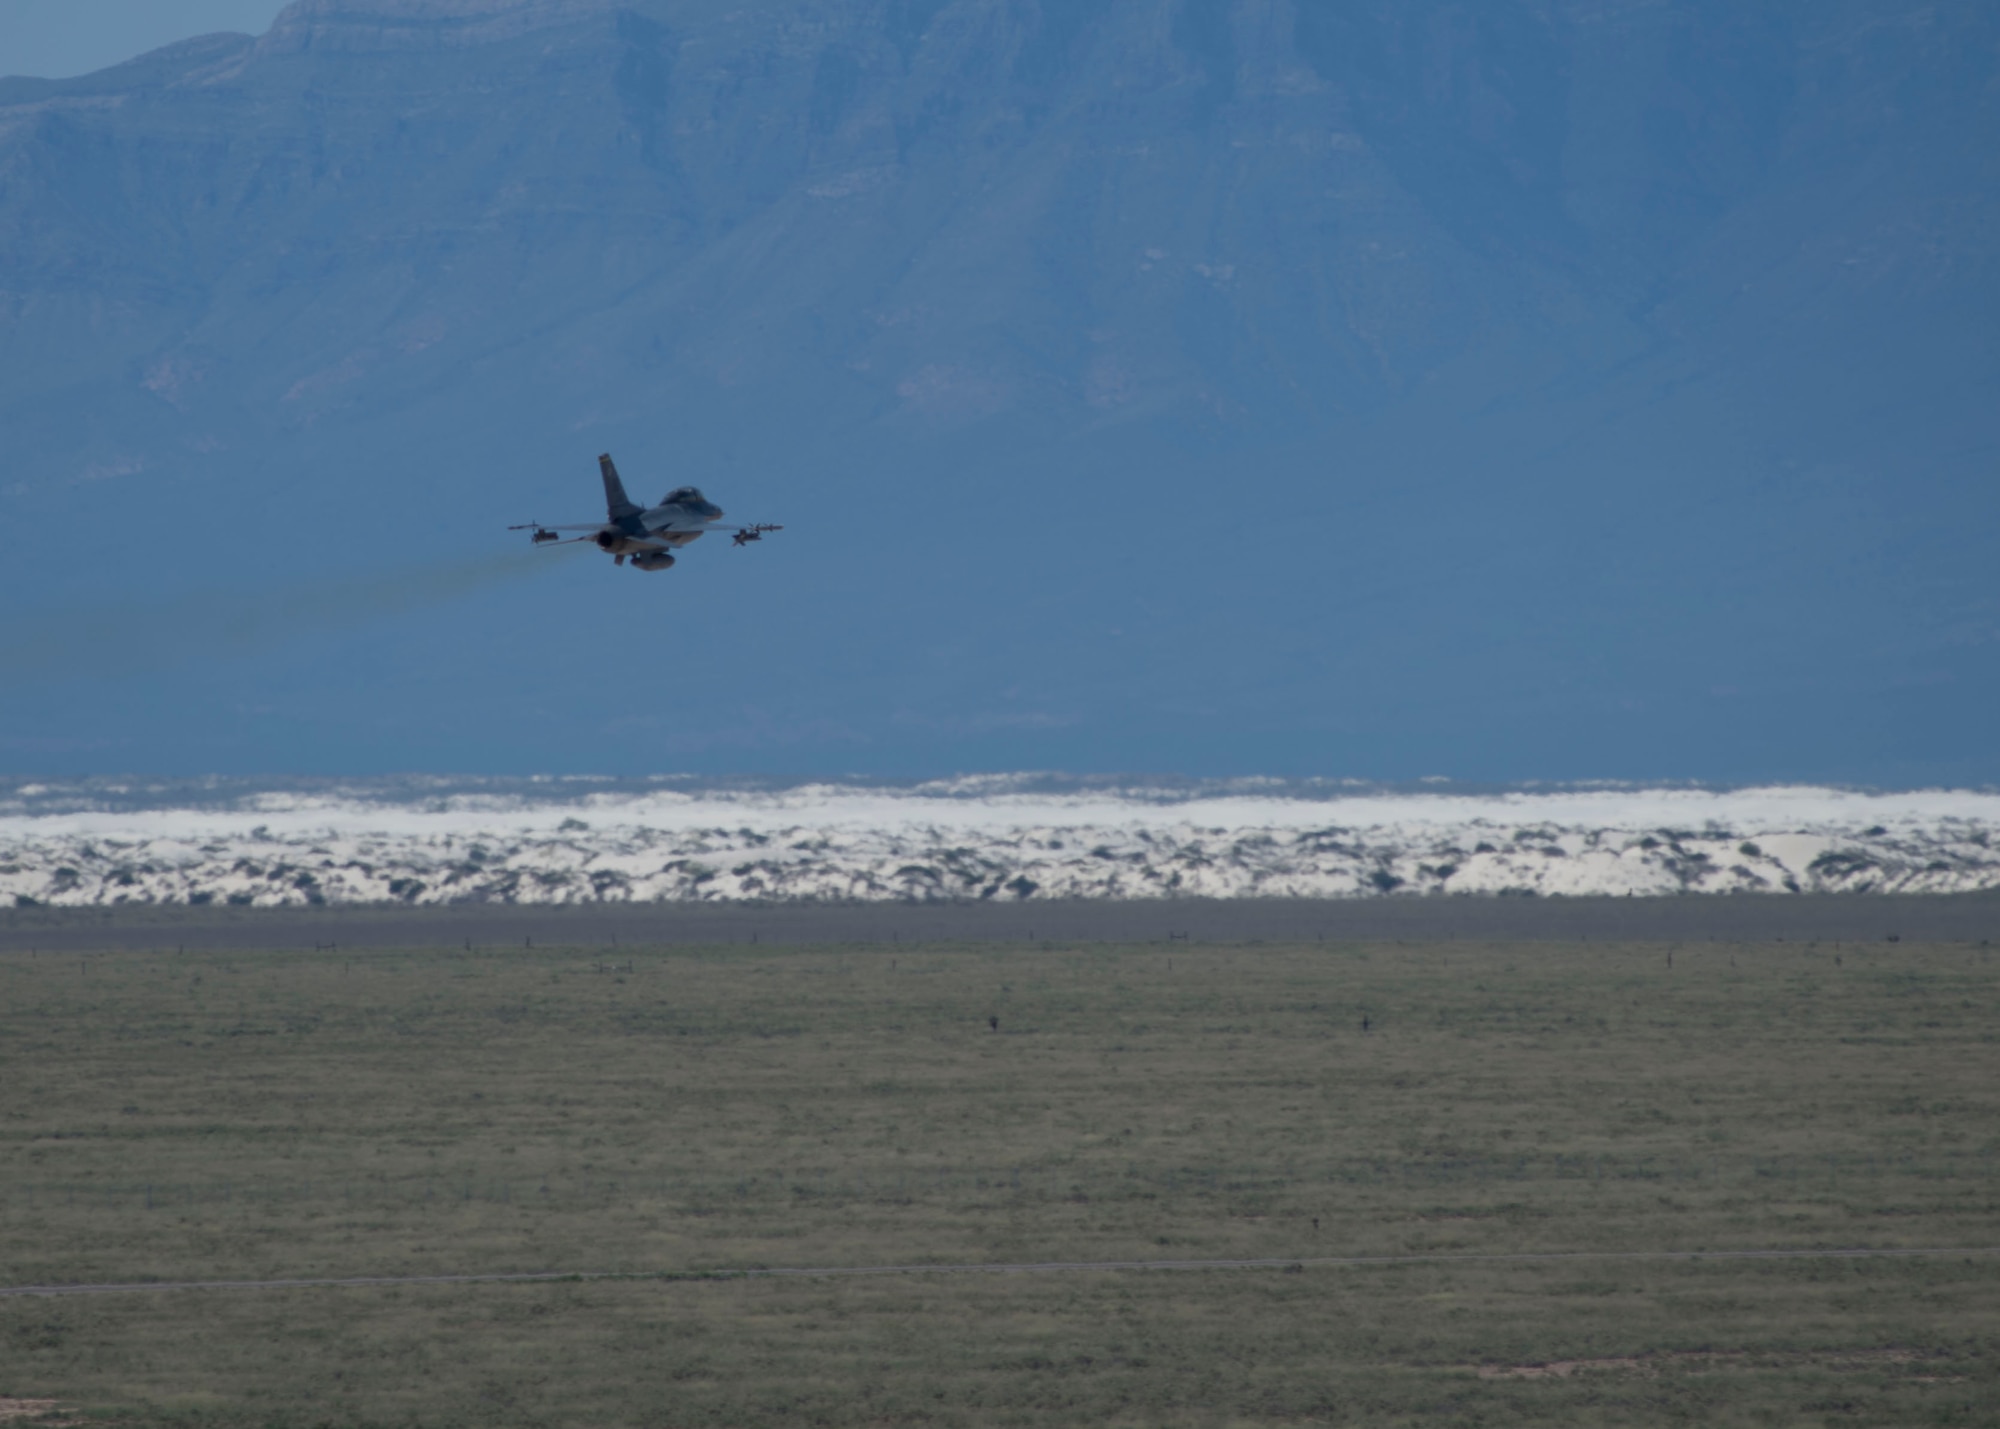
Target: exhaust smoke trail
178 630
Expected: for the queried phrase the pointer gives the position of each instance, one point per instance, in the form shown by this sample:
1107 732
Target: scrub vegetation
206 1116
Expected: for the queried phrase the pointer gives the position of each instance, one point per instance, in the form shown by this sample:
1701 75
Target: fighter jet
646 534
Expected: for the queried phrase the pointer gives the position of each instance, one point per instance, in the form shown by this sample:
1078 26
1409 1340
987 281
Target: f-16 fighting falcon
646 533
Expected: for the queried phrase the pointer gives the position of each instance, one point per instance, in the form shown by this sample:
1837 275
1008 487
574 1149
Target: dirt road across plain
1691 918
1041 1267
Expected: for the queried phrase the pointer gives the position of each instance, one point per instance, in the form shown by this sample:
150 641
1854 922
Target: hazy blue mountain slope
1502 389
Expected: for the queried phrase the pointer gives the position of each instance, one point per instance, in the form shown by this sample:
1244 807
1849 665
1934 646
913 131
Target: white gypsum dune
981 838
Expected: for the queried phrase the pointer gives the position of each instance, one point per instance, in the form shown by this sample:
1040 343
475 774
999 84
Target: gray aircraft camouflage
646 534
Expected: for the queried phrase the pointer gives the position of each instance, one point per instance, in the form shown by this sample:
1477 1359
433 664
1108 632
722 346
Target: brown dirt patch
1557 1369
1648 1364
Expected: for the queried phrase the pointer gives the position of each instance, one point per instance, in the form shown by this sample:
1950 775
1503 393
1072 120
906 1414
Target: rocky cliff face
376 27
1526 274
1256 216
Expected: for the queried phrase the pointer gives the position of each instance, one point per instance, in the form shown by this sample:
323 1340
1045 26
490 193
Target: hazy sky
59 38
1578 393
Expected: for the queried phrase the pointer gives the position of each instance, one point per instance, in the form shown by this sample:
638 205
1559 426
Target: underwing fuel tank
652 560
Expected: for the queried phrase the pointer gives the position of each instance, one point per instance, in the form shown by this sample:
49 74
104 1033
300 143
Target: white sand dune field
1013 837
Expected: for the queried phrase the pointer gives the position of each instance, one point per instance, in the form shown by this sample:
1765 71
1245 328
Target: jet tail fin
616 502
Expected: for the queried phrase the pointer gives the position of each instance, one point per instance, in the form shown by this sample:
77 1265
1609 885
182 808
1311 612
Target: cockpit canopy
685 496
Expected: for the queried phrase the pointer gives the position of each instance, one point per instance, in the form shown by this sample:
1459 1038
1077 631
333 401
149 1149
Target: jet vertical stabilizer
616 502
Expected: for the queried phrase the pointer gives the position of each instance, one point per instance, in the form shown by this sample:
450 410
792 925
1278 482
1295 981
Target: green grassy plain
215 1116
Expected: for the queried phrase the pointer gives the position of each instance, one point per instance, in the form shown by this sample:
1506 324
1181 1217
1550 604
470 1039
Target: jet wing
546 536
691 527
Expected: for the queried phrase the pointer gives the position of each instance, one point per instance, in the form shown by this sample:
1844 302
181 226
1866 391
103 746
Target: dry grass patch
223 1116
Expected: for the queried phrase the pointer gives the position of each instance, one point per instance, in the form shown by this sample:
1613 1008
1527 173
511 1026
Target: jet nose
713 512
